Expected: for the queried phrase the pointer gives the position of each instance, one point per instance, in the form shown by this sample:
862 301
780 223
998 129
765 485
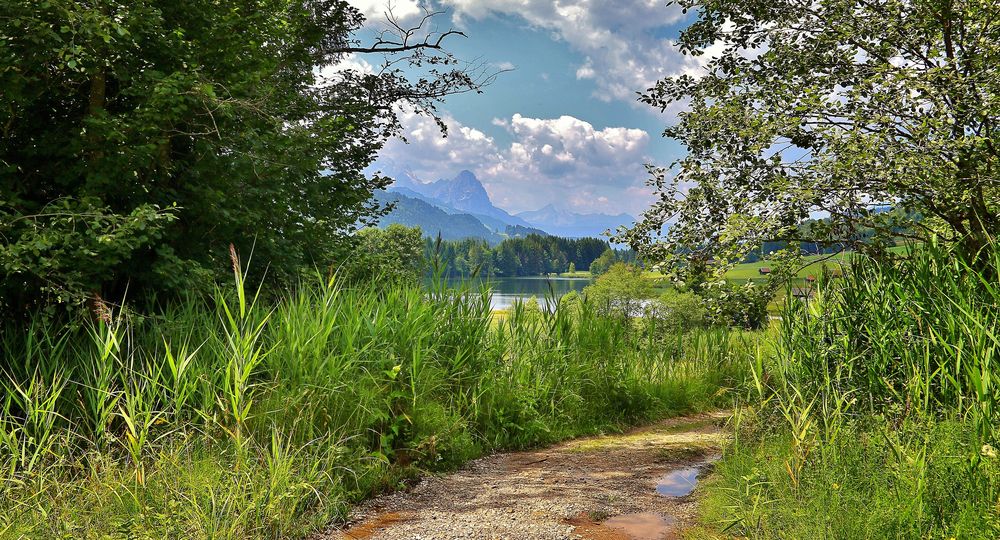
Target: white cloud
621 39
431 155
351 62
377 10
565 161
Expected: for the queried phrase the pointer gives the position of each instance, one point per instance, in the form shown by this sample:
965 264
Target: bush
620 291
393 255
677 311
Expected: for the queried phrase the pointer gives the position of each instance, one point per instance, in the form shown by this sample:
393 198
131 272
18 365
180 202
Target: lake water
506 291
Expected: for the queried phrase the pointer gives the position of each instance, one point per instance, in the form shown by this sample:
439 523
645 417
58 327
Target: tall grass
230 417
877 414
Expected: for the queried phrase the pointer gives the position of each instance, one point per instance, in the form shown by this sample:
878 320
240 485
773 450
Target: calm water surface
506 291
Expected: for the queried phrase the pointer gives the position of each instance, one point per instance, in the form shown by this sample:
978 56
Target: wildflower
988 451
836 486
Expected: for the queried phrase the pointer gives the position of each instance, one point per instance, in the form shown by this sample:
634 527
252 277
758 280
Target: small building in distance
810 279
764 270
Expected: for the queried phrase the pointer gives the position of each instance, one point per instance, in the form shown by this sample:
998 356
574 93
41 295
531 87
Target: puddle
678 483
371 527
645 526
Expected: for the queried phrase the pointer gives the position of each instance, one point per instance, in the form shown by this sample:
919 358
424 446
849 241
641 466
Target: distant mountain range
460 207
572 225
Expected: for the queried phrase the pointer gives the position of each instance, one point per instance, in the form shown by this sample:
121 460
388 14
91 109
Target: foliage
604 263
393 254
70 247
677 311
149 135
847 107
530 256
740 305
620 291
239 418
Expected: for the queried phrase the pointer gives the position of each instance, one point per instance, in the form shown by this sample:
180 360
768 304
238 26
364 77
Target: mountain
462 194
571 225
432 220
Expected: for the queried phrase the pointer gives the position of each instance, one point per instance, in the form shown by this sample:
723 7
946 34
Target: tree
140 138
842 108
619 291
572 268
394 254
603 263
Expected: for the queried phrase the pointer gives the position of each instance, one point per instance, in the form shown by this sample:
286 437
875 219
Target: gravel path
630 486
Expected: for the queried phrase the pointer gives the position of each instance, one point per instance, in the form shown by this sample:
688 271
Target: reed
876 414
232 417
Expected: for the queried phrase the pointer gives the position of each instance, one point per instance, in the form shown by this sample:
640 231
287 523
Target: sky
562 124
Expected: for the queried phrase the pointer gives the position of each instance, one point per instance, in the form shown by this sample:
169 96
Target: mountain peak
463 193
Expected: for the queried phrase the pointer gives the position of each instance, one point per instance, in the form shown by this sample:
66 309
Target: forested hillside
533 255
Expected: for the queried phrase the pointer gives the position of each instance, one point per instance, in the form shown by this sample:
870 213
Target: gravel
558 493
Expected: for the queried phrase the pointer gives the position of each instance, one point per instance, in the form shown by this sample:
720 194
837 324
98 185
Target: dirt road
632 486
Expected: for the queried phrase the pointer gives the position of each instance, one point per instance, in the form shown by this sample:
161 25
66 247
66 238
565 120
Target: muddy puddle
643 526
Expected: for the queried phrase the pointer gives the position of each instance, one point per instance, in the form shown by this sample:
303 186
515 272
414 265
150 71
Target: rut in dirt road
631 486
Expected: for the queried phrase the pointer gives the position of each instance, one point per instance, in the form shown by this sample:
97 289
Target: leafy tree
844 107
394 254
619 291
572 268
141 137
603 263
737 305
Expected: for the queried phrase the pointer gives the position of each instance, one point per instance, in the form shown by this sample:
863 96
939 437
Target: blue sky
563 126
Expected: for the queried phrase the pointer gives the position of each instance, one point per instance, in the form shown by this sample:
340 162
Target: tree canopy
620 290
532 255
879 116
140 138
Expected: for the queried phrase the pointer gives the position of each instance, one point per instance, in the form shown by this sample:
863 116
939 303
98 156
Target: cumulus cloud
566 146
565 161
351 62
430 155
621 40
377 10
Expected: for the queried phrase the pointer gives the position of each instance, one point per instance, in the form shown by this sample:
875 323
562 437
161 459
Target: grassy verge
876 415
229 418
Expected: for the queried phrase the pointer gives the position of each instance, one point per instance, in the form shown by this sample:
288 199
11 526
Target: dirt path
631 486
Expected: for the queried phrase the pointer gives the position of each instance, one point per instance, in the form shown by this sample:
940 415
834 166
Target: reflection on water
506 291
678 483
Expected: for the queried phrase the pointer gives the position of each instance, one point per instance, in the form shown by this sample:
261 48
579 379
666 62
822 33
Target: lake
506 291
